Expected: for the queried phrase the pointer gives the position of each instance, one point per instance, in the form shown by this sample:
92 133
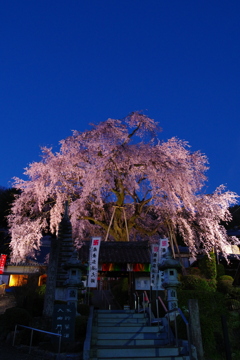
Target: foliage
235 221
194 271
207 266
224 284
220 270
120 167
41 290
226 278
7 197
211 307
29 294
196 282
12 317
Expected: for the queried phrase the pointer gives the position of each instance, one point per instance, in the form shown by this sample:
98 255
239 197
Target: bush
208 267
220 270
211 307
194 271
30 297
226 278
224 284
12 317
195 282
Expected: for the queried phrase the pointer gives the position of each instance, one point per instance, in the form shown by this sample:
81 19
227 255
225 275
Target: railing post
136 302
176 329
150 313
157 312
59 345
33 329
14 336
30 346
168 317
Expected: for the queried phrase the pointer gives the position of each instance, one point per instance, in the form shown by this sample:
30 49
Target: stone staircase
125 335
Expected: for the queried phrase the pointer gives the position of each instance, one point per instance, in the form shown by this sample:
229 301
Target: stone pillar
195 327
51 279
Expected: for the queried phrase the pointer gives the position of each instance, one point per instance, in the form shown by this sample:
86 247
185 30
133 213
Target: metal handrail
136 302
179 311
162 303
188 332
34 329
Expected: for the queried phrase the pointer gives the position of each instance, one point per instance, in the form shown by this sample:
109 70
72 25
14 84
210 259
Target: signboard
156 276
3 260
93 262
163 247
142 283
64 320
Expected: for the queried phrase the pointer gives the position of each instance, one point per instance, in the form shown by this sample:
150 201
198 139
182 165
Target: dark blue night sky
65 64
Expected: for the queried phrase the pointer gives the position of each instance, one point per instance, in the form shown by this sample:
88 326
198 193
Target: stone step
125 322
129 342
125 329
116 311
120 316
131 335
136 352
126 335
144 358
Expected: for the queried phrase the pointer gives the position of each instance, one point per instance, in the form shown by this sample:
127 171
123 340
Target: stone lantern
169 267
74 269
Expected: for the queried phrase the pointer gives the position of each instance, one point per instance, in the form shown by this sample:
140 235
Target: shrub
224 284
208 267
220 270
12 317
195 282
194 271
226 278
211 307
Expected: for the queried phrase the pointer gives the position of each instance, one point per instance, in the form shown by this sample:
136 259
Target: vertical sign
3 260
163 246
158 250
93 262
154 266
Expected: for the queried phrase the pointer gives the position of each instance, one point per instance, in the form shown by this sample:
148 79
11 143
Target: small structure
170 279
64 270
74 268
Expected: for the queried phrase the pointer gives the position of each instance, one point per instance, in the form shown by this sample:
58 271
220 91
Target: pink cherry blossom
120 167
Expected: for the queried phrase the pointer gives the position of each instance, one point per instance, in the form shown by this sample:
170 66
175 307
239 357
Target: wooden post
195 327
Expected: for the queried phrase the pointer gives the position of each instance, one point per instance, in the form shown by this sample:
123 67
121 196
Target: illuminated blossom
120 167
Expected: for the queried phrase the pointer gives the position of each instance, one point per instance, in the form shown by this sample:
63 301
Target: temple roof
119 252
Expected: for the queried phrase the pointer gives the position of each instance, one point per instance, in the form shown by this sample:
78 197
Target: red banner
3 260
